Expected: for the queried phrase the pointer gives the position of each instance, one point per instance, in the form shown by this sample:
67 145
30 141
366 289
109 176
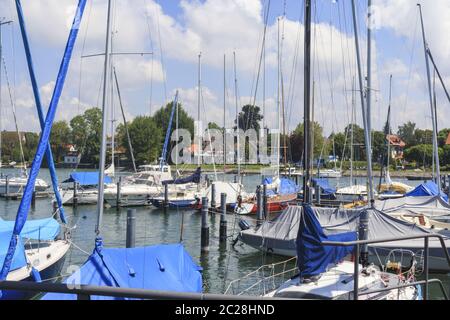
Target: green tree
59 139
162 117
442 137
249 118
407 133
319 147
145 137
423 136
422 154
86 133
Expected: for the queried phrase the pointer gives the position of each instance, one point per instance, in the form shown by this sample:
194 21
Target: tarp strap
39 108
25 203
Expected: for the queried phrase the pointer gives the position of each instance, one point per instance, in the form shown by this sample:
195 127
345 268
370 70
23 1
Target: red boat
274 204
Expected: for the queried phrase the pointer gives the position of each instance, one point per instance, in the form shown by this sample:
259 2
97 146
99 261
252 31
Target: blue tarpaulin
286 187
195 178
325 186
162 268
426 190
86 178
45 229
313 257
19 259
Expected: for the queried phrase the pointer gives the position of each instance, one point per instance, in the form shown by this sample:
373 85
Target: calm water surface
221 265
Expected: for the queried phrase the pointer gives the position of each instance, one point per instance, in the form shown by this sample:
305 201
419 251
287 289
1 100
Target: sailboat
36 249
164 267
141 187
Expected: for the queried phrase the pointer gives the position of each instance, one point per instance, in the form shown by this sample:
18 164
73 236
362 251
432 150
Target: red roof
395 140
448 140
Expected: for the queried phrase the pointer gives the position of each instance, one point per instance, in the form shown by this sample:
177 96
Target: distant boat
86 193
139 188
281 193
17 184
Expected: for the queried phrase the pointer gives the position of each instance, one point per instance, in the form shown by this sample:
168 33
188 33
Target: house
72 156
447 142
397 146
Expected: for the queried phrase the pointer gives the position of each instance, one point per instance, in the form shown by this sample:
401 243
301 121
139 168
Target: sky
175 32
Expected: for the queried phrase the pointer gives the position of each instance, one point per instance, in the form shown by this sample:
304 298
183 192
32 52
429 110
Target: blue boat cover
325 186
313 257
44 230
195 178
19 260
286 187
427 189
162 268
86 178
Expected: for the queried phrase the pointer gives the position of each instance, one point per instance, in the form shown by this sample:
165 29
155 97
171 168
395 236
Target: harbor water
221 265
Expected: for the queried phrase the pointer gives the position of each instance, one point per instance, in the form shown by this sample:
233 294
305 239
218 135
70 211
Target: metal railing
86 292
426 282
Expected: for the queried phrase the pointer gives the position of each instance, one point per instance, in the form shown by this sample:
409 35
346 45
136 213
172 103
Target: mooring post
260 206
131 228
55 206
33 199
213 196
265 203
166 198
205 226
7 185
223 218
75 195
318 193
448 188
118 196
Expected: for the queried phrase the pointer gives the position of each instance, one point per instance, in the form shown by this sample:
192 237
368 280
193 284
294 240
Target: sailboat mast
389 125
433 114
307 104
199 99
102 163
125 121
363 107
224 114
238 153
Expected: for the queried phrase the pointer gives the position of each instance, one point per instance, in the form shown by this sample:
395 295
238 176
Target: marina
347 204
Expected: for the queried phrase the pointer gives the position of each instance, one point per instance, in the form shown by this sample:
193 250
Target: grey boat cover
433 206
282 232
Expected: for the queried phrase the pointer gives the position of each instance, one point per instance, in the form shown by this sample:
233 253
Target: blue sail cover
44 230
325 186
313 257
426 190
19 259
161 268
286 187
24 207
86 178
37 98
195 178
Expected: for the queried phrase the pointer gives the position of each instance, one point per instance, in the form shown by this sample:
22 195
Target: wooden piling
223 218
204 237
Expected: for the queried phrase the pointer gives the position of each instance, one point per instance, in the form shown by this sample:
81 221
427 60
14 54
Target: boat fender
244 225
36 275
131 271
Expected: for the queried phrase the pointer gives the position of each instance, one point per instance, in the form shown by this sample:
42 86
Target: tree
422 154
145 137
442 137
214 126
87 134
379 147
162 117
319 147
423 136
407 133
249 118
59 139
